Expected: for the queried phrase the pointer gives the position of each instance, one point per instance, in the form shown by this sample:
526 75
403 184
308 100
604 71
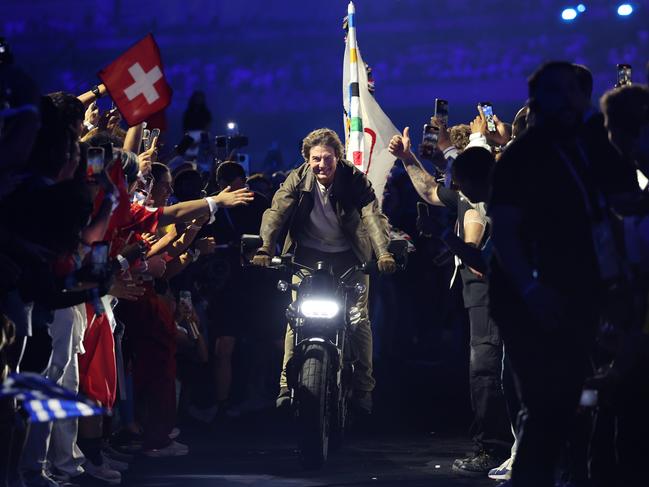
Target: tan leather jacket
356 206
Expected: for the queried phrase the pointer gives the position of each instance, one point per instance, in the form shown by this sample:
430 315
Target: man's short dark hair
229 171
536 78
323 136
158 170
474 164
626 108
70 108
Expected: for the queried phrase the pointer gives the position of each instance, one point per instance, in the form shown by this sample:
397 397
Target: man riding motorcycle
334 217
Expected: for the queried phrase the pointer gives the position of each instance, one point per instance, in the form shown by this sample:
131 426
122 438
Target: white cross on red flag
136 82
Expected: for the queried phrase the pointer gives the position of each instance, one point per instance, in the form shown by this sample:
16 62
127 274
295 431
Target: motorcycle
323 317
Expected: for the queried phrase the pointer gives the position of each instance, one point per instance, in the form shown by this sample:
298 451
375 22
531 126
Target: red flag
136 82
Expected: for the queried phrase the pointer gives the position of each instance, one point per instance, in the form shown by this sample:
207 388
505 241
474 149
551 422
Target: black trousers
491 426
550 369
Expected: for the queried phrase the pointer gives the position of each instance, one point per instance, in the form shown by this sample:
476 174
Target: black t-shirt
556 227
475 290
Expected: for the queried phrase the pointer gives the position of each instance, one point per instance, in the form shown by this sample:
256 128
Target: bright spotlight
232 125
625 9
569 14
581 8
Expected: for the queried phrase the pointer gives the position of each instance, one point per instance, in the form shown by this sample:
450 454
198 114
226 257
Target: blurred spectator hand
127 290
114 120
92 115
148 157
479 125
502 135
107 119
149 238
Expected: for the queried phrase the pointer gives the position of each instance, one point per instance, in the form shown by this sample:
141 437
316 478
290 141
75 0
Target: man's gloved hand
387 264
262 259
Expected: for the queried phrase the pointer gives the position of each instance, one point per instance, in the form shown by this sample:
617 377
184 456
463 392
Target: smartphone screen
99 256
108 152
431 134
430 137
487 109
623 75
95 160
441 110
146 139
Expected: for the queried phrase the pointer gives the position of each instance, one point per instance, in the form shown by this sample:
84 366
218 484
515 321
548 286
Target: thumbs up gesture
400 146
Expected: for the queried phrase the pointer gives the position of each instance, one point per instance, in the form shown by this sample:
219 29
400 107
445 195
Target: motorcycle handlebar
286 263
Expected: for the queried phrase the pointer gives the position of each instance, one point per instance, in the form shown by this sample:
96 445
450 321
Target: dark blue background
275 66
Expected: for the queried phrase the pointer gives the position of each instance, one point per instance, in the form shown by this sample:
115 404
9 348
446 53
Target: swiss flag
136 82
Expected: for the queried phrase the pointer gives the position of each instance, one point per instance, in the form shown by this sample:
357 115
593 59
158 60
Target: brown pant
361 339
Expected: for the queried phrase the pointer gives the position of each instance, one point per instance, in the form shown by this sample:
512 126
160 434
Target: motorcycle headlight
319 308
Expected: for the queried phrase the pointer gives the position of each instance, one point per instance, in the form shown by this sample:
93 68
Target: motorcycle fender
295 362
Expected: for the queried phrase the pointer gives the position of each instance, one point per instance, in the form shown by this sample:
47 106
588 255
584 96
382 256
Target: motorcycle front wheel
312 406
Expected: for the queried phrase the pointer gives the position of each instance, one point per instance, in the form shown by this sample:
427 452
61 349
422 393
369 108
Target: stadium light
569 14
625 10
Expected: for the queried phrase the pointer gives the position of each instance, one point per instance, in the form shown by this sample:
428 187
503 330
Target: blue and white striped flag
46 401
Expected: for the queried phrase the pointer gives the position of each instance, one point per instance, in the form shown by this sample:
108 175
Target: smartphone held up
488 112
430 136
623 75
441 111
95 160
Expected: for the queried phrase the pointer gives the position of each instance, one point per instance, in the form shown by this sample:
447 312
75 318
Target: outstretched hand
400 145
229 198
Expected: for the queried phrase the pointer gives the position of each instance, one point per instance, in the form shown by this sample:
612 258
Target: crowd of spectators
121 278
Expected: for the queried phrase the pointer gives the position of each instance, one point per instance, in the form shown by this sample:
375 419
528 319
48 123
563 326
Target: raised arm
422 180
89 96
196 209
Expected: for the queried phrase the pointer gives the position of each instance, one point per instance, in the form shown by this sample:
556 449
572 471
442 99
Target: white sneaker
504 472
173 449
103 472
114 464
175 433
